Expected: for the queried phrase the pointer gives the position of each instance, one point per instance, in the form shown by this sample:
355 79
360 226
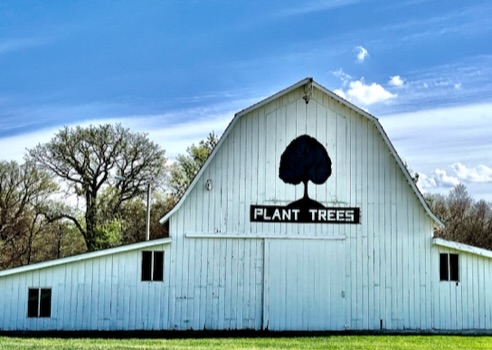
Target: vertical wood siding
389 264
216 283
104 293
466 304
305 285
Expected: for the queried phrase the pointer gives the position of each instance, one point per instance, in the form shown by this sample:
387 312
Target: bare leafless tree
466 220
24 190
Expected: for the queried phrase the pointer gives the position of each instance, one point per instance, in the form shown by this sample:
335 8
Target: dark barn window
39 302
449 267
443 258
152 266
453 267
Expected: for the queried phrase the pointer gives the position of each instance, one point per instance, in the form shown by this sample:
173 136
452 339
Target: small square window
449 267
152 266
39 302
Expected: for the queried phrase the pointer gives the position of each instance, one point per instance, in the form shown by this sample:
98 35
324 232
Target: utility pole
147 226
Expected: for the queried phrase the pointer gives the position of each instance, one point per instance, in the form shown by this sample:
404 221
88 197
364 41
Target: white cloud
344 77
438 179
362 54
360 92
457 86
340 93
426 183
445 180
396 80
478 174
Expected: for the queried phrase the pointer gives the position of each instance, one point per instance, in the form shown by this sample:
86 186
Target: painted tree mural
304 160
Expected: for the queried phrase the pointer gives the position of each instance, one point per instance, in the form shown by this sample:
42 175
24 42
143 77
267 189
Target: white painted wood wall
224 272
468 303
390 269
102 293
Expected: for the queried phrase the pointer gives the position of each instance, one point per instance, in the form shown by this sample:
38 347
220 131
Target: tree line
84 190
466 220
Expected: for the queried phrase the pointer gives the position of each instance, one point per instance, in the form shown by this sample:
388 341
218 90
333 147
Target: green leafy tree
184 170
87 159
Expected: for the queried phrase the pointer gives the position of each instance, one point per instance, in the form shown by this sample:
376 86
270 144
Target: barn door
304 285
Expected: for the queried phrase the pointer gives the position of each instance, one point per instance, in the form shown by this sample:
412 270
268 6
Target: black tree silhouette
304 160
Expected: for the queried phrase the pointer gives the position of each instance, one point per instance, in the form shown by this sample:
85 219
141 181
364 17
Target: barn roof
344 102
86 256
462 247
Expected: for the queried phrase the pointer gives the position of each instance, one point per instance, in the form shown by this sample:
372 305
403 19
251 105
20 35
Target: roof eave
224 136
462 247
404 169
335 97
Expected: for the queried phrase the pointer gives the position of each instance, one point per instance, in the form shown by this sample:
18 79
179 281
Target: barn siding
389 263
104 293
303 292
466 304
218 283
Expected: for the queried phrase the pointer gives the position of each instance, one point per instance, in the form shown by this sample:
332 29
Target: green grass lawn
328 342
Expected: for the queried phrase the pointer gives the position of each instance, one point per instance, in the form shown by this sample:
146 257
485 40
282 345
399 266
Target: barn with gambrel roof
303 218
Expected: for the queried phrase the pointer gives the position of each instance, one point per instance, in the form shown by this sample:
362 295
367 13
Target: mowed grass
328 342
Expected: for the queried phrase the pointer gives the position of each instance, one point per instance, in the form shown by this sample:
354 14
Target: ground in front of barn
424 342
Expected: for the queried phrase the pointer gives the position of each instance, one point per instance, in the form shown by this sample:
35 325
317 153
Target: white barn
350 247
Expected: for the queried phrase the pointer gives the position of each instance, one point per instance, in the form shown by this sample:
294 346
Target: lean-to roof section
462 247
86 256
331 94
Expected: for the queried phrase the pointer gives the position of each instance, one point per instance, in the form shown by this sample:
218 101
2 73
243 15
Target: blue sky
180 69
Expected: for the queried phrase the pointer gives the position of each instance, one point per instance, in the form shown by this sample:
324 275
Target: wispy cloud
315 6
442 23
437 143
11 45
362 54
171 130
462 82
175 138
344 77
